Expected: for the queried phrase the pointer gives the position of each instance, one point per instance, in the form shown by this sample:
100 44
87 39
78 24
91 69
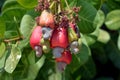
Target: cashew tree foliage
60 40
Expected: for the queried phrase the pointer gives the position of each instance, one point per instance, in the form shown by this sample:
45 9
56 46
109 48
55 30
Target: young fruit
38 50
59 41
35 40
65 59
57 52
72 35
45 45
47 32
47 19
74 47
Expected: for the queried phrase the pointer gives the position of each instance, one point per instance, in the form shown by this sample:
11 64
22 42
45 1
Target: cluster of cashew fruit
61 38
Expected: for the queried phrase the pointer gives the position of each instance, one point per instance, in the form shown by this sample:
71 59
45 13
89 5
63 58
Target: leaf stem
59 7
17 27
67 4
13 39
52 4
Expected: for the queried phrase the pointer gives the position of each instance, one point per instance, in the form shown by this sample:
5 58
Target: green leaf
92 37
87 71
10 4
101 3
2 60
2 27
112 5
48 69
2 49
66 75
103 39
13 59
96 3
31 58
113 20
72 3
118 41
99 52
10 14
113 53
55 76
98 22
28 3
34 69
87 14
10 34
6 76
23 43
82 57
99 19
27 24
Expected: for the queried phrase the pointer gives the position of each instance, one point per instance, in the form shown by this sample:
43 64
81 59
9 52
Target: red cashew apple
35 40
62 61
59 41
59 38
66 57
47 19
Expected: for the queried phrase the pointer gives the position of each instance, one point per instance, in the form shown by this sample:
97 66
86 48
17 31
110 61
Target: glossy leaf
30 69
105 38
99 53
48 71
23 43
2 27
10 4
9 16
31 58
55 76
86 15
99 19
113 53
96 3
10 34
88 70
6 76
28 3
2 60
92 37
34 69
13 59
27 24
113 20
2 49
98 22
112 5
